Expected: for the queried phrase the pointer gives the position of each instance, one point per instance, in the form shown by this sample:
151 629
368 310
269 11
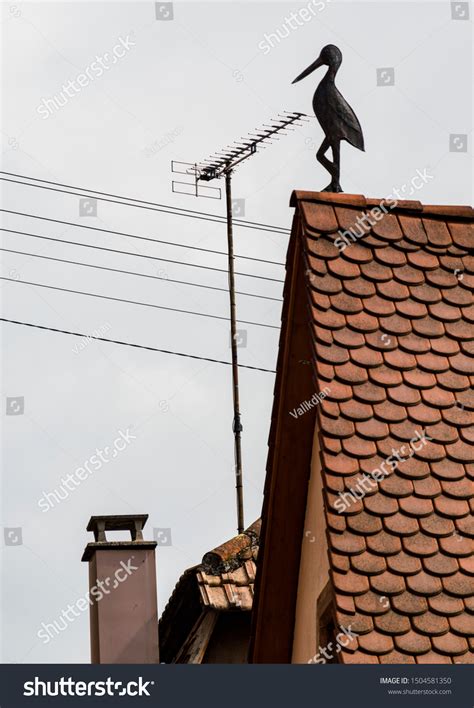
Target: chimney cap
116 522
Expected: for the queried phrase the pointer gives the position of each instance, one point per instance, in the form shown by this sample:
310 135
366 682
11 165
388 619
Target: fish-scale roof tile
398 333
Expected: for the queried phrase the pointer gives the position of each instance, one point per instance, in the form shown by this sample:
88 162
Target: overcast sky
184 86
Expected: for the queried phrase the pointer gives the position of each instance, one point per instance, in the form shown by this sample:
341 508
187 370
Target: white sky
202 79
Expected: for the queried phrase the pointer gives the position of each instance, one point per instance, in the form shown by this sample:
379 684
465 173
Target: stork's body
334 114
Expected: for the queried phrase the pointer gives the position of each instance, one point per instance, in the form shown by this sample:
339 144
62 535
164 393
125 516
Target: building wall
230 639
314 565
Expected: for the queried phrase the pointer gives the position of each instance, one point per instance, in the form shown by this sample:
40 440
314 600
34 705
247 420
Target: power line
141 238
135 255
134 302
140 203
131 344
130 272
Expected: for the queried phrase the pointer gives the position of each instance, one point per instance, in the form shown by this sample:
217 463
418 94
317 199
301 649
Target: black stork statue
334 114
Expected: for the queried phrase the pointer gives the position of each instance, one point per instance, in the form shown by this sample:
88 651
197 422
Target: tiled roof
224 581
392 327
227 574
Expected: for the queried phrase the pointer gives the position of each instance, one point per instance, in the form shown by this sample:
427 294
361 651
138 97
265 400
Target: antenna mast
220 165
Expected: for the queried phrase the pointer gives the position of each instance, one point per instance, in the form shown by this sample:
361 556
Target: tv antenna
221 165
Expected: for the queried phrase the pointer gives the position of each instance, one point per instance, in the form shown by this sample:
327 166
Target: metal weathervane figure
334 114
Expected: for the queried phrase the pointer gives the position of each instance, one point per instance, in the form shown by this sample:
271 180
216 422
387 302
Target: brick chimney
122 593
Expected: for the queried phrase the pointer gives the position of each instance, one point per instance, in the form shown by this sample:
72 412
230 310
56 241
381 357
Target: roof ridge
232 553
361 201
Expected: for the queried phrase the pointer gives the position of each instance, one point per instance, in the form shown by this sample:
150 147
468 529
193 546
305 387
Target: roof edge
396 205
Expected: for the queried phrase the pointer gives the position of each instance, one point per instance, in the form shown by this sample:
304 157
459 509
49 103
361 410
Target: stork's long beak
315 65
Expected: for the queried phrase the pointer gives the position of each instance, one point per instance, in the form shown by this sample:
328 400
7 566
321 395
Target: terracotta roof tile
347 542
369 393
384 543
390 257
460 585
438 526
356 411
467 565
361 624
424 414
450 644
388 411
451 508
413 643
345 603
449 470
385 376
432 657
432 362
446 605
358 657
411 309
401 525
350 373
381 505
442 433
359 287
376 643
368 563
387 583
370 603
377 273
394 485
393 331
366 357
350 583
365 523
429 487
465 527
420 544
440 564
414 469
404 564
390 288
467 658
437 232
424 584
395 657
463 624
340 563
460 489
416 506
319 217
423 260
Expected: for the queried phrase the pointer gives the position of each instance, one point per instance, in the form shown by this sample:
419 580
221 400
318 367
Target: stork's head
330 56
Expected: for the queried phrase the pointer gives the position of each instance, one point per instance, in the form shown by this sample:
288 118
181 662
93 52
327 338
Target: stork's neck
331 72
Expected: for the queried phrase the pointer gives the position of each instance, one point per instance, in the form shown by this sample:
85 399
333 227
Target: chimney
122 593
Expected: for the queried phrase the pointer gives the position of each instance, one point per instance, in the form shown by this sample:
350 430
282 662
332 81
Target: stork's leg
336 154
327 164
331 167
